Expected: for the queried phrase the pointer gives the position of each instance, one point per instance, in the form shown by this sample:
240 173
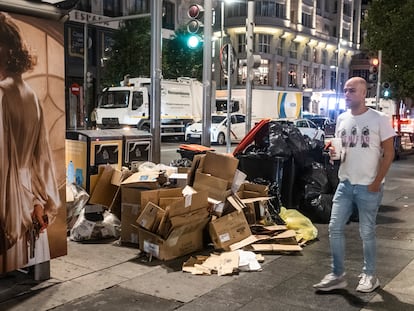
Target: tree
388 26
181 61
131 54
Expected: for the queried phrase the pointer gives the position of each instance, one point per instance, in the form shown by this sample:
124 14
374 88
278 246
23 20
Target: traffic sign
75 89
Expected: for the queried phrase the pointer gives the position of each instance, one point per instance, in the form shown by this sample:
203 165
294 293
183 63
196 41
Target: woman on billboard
28 191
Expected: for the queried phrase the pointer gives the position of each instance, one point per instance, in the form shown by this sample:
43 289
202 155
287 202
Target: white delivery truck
129 105
272 104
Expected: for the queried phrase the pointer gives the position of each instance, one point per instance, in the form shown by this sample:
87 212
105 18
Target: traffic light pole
207 50
377 97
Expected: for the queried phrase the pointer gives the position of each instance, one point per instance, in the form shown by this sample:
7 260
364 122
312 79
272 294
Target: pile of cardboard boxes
212 204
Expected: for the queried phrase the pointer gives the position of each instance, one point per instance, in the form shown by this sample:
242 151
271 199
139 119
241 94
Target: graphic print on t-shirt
352 139
365 137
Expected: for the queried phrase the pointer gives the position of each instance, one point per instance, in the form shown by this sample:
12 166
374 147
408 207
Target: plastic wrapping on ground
96 226
77 197
304 228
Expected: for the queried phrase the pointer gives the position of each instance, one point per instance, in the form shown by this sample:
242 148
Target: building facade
304 45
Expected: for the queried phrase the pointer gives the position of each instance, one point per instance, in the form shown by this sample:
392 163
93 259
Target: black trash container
188 151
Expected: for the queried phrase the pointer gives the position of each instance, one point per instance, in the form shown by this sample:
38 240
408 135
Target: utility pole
207 50
378 95
250 62
156 56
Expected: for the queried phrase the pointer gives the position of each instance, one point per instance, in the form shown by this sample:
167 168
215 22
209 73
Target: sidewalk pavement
106 276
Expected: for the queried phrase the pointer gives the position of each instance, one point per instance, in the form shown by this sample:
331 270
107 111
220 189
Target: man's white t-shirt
361 144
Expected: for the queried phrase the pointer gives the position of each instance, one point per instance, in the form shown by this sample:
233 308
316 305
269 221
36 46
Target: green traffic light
387 93
193 41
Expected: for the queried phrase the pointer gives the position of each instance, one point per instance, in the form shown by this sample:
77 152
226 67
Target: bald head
355 91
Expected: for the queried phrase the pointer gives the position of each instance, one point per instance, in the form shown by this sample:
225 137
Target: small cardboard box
253 197
150 217
181 241
229 229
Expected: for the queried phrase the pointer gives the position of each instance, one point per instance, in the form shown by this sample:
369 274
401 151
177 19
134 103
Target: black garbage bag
299 147
322 207
278 145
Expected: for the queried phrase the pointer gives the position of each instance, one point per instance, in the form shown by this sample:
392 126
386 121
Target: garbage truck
272 104
128 105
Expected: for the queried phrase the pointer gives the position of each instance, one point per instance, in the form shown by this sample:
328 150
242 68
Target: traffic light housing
373 69
386 90
194 26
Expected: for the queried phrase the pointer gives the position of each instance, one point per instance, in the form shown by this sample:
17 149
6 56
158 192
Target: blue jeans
346 198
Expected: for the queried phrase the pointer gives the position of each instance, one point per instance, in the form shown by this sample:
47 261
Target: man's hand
38 215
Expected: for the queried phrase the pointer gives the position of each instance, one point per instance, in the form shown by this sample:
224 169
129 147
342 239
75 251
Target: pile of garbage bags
297 164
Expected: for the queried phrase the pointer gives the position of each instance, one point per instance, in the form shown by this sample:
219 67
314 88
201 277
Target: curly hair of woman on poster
29 195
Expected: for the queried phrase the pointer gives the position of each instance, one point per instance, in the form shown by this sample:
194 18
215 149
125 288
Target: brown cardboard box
220 165
104 191
253 195
230 228
217 188
150 217
182 240
131 190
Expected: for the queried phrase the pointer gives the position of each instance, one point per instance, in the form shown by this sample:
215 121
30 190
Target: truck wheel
221 139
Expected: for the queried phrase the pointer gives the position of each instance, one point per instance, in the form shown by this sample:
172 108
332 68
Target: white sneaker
367 283
331 282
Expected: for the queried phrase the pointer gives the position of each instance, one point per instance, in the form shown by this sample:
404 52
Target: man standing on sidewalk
367 153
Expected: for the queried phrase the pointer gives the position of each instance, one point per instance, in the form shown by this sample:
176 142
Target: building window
143 6
270 9
241 43
307 20
168 18
293 51
263 70
306 53
279 74
347 9
237 9
111 8
280 47
305 77
292 75
84 5
327 9
315 75
323 79
264 43
333 80
324 59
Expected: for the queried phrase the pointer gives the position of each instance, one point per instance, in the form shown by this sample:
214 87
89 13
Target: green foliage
181 61
131 54
388 26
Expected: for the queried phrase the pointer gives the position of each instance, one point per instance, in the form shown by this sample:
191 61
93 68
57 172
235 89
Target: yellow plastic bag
304 228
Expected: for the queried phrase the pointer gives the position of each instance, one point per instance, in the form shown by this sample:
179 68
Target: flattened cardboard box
181 241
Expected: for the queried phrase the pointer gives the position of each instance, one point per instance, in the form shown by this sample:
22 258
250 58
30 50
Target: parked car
306 127
218 129
326 124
